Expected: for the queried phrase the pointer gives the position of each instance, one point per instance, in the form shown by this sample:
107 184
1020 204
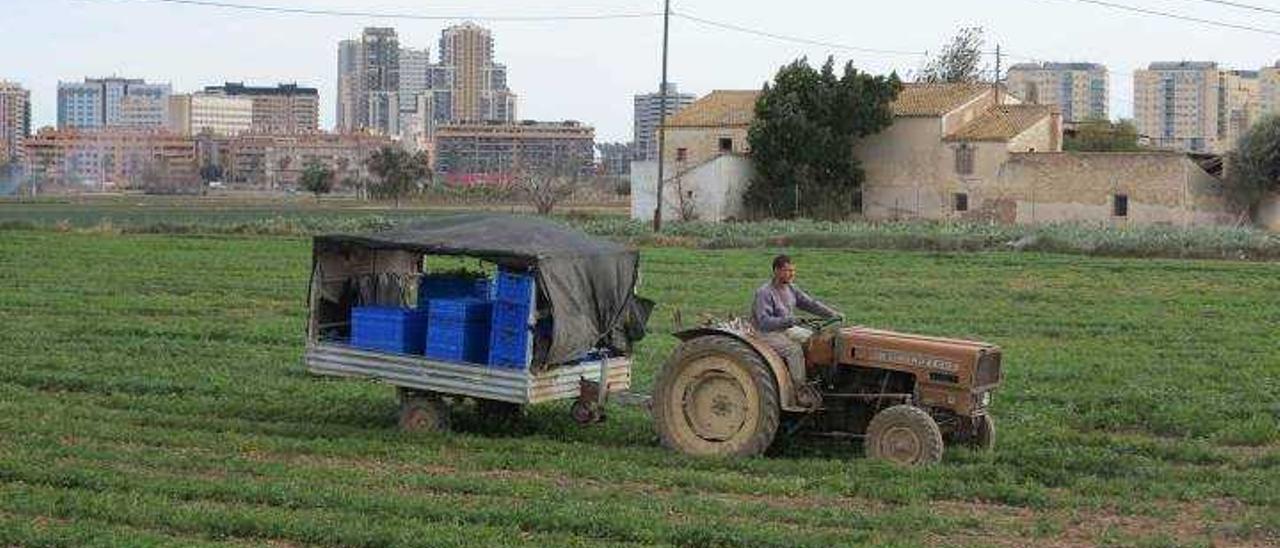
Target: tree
547 185
1253 168
1100 135
399 173
803 135
959 61
317 179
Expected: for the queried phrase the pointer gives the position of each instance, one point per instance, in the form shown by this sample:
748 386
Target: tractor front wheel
715 396
984 433
905 435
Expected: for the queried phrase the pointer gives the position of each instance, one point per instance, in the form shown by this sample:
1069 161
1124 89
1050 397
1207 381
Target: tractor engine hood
973 363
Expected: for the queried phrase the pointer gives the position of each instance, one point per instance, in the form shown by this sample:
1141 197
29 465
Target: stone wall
911 171
1269 213
701 144
712 191
1160 187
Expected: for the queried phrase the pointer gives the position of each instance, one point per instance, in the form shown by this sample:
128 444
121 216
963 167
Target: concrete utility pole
662 113
995 82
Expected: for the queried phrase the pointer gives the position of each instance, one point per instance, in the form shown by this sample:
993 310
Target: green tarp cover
588 282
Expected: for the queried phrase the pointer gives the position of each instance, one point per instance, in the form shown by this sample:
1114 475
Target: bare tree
688 207
543 187
959 61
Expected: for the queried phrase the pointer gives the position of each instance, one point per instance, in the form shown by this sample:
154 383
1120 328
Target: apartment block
220 115
286 108
615 158
98 103
493 147
1177 105
648 114
478 85
111 158
379 95
1079 90
1239 104
350 58
15 120
272 160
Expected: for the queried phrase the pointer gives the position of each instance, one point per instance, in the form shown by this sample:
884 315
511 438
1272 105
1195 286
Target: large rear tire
716 397
904 435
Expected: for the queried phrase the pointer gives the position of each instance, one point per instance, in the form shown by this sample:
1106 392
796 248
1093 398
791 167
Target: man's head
784 271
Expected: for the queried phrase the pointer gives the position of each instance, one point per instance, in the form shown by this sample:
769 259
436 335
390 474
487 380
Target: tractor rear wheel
905 435
423 412
715 396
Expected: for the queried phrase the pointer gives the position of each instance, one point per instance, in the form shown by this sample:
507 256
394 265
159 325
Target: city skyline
207 45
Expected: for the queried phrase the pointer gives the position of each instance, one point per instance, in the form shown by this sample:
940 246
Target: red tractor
725 392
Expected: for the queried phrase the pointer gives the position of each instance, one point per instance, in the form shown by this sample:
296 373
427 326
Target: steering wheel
817 324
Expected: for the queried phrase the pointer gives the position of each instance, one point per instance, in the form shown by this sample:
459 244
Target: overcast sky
588 70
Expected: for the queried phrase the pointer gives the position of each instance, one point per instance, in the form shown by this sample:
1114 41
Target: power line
786 38
1179 17
1242 6
412 16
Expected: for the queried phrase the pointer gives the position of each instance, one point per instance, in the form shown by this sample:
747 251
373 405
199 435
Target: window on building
964 159
960 201
1120 205
682 154
726 144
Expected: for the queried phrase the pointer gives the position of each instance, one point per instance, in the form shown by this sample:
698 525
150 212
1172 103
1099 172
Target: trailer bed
508 385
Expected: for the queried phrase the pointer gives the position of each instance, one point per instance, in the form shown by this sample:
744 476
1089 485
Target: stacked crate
388 329
513 305
435 286
458 330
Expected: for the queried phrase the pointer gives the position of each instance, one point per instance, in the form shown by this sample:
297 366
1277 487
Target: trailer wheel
423 412
716 396
586 412
905 435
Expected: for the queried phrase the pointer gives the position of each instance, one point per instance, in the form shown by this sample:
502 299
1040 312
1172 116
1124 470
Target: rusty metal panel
477 381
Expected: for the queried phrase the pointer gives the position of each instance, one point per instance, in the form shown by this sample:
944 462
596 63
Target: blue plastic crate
464 310
458 330
509 348
431 287
468 342
510 315
513 286
388 329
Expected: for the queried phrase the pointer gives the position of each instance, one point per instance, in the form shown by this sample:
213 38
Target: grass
303 215
151 394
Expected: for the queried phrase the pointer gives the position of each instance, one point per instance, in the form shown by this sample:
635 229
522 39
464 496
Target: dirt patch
1015 526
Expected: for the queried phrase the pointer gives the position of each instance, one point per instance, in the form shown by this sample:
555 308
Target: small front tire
904 435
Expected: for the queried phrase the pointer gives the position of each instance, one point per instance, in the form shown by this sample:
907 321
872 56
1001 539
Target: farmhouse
955 151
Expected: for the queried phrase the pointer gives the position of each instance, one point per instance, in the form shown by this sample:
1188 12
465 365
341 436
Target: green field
151 393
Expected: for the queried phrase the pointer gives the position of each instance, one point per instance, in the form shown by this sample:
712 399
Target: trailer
581 315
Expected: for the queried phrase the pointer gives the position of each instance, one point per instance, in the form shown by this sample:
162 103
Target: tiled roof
737 107
1001 123
721 107
935 99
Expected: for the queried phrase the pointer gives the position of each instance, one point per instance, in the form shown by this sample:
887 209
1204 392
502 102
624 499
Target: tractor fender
786 389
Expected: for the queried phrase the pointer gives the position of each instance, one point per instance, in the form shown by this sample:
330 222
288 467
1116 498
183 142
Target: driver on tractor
773 317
